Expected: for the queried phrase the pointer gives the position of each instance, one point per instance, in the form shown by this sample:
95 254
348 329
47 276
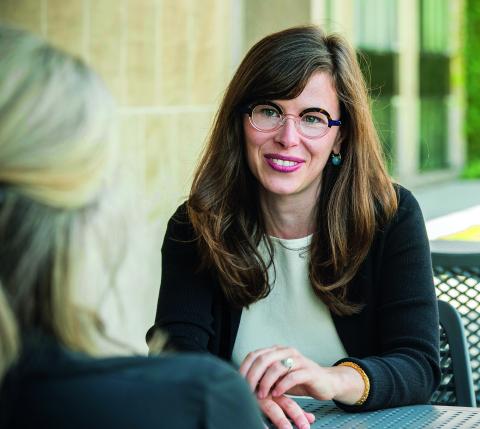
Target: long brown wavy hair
355 199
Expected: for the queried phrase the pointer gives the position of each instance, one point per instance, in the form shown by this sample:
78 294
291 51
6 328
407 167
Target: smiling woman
296 256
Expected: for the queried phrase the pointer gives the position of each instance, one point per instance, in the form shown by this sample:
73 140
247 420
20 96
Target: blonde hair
56 156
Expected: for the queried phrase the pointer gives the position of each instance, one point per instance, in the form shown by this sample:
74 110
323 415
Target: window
434 72
376 40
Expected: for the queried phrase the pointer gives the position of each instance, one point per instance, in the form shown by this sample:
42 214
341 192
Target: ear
337 146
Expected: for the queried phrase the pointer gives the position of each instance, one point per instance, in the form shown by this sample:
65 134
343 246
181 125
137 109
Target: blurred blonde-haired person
58 213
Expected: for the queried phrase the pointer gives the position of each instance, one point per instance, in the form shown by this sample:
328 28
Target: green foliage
472 72
472 170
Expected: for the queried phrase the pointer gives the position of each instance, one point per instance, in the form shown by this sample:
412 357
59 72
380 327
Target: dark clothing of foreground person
52 387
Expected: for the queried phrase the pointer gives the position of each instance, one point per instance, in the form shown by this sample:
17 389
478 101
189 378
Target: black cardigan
394 338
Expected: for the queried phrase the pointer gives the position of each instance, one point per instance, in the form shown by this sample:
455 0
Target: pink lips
282 163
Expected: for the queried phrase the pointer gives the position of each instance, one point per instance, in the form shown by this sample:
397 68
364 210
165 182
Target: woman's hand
269 377
282 408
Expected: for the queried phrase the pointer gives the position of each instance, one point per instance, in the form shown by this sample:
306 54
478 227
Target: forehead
318 92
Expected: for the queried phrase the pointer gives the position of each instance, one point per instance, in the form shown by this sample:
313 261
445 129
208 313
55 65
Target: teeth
284 163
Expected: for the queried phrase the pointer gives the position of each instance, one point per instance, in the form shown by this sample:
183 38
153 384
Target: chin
281 190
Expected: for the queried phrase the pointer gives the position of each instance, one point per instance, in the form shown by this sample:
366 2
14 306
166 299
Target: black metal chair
456 386
456 268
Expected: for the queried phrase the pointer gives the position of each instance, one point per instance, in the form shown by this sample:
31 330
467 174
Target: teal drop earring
336 159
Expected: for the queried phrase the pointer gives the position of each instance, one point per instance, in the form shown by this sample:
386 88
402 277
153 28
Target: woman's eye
314 120
270 113
311 119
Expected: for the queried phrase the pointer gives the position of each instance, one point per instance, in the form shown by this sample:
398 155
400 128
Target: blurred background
168 62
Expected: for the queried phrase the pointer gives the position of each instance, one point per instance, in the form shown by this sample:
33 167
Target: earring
336 159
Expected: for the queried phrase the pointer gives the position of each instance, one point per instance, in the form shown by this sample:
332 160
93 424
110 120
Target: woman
295 255
56 200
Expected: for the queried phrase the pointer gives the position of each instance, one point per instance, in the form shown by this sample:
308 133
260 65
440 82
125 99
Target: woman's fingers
264 360
311 381
291 380
310 417
274 372
275 413
280 410
294 412
250 358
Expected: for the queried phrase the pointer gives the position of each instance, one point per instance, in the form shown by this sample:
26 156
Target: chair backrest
456 386
456 269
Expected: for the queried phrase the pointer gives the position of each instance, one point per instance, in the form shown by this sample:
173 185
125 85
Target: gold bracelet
365 379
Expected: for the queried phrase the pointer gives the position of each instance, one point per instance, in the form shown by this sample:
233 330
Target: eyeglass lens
268 118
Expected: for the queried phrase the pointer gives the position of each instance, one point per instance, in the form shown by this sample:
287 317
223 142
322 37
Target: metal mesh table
327 415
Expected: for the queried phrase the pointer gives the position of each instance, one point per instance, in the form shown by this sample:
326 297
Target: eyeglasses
313 122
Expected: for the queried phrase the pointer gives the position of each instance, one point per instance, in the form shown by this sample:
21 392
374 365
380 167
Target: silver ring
288 363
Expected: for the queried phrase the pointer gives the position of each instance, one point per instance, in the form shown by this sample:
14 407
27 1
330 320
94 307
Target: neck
288 216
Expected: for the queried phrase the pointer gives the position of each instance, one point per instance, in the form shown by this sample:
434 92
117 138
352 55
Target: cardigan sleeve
406 368
185 298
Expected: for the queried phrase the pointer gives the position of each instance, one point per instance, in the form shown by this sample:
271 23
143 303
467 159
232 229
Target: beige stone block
140 52
132 146
212 54
175 48
132 156
192 138
107 47
26 14
138 278
65 25
194 51
165 176
268 16
172 150
161 142
164 173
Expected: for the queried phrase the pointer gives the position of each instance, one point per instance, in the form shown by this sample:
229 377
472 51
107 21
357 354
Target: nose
287 135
